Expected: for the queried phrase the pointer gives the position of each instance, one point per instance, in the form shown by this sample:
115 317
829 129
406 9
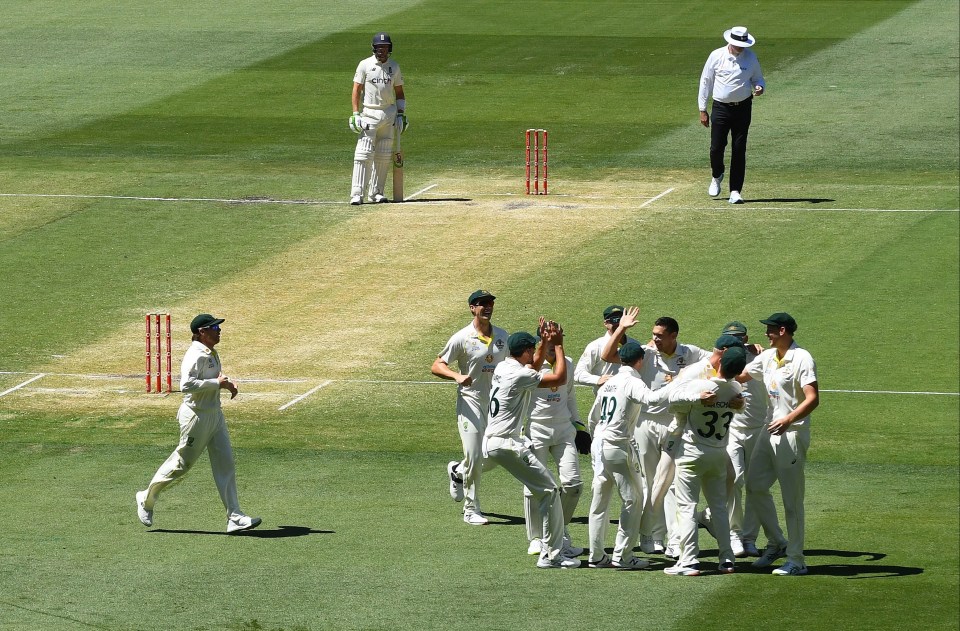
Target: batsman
378 113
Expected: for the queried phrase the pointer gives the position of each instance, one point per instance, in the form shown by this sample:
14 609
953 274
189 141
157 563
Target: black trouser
735 120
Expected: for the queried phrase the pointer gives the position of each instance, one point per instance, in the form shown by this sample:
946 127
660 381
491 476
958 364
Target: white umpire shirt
729 78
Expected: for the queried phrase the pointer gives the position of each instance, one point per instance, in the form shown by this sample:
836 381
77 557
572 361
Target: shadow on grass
280 532
790 200
848 570
421 200
504 520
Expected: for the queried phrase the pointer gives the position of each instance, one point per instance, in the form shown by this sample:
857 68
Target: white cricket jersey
477 356
706 425
657 367
199 374
378 81
513 384
784 380
729 78
556 406
590 367
754 412
617 407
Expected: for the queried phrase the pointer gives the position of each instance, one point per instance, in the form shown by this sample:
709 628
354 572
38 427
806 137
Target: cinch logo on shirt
383 80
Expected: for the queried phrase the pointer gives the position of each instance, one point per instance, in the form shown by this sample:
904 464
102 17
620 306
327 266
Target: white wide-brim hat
738 36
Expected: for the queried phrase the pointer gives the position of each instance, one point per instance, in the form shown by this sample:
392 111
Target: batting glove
355 125
401 122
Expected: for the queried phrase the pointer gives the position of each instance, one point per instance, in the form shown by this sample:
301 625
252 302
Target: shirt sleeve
398 77
583 373
706 83
572 397
756 79
806 370
755 368
450 352
190 369
360 76
529 379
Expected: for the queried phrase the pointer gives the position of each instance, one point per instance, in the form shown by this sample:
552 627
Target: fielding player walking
378 112
698 437
476 349
732 76
202 426
790 376
514 380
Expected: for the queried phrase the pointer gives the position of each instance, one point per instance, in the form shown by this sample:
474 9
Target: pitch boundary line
653 199
27 382
410 382
306 394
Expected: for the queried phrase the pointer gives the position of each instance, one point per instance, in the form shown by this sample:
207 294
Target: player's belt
734 103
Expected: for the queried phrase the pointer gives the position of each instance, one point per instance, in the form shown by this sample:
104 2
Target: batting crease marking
306 394
28 381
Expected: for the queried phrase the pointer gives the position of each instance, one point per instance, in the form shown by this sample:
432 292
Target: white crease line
421 191
650 201
305 395
175 199
28 381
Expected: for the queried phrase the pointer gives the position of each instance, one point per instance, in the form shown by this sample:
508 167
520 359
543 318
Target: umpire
732 76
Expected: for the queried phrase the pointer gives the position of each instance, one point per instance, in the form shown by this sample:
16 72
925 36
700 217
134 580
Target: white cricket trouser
558 442
616 464
198 432
660 524
702 467
518 459
780 459
742 442
373 154
471 423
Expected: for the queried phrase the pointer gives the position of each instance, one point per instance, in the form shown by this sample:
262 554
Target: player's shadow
790 200
280 532
848 570
496 519
421 200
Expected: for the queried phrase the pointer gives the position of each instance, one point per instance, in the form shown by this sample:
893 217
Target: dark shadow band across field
280 532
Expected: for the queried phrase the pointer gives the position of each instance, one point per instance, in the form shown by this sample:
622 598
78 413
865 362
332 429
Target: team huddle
668 421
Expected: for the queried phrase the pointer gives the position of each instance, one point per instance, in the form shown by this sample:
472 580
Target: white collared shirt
379 81
476 356
784 380
729 78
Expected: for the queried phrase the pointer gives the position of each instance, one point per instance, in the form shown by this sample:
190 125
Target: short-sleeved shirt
199 378
754 412
513 384
617 407
556 406
477 356
658 366
784 380
707 424
590 367
378 81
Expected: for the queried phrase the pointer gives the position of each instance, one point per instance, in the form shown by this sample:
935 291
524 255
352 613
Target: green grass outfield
852 226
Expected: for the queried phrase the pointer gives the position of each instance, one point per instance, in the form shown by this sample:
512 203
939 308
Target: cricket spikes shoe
567 548
475 519
790 569
456 482
605 561
714 188
633 563
558 562
683 570
771 554
727 567
736 546
658 547
356 200
380 199
146 516
750 548
535 547
239 523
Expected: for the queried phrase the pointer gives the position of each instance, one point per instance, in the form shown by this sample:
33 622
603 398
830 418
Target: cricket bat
397 168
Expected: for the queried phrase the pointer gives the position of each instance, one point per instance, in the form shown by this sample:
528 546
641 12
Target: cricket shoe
535 547
146 516
683 570
750 548
790 569
658 547
239 523
727 567
605 561
714 189
558 562
735 197
567 548
380 199
356 200
633 563
456 482
771 554
737 547
646 544
475 519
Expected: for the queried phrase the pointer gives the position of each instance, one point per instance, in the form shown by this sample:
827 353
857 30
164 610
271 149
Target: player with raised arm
514 380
